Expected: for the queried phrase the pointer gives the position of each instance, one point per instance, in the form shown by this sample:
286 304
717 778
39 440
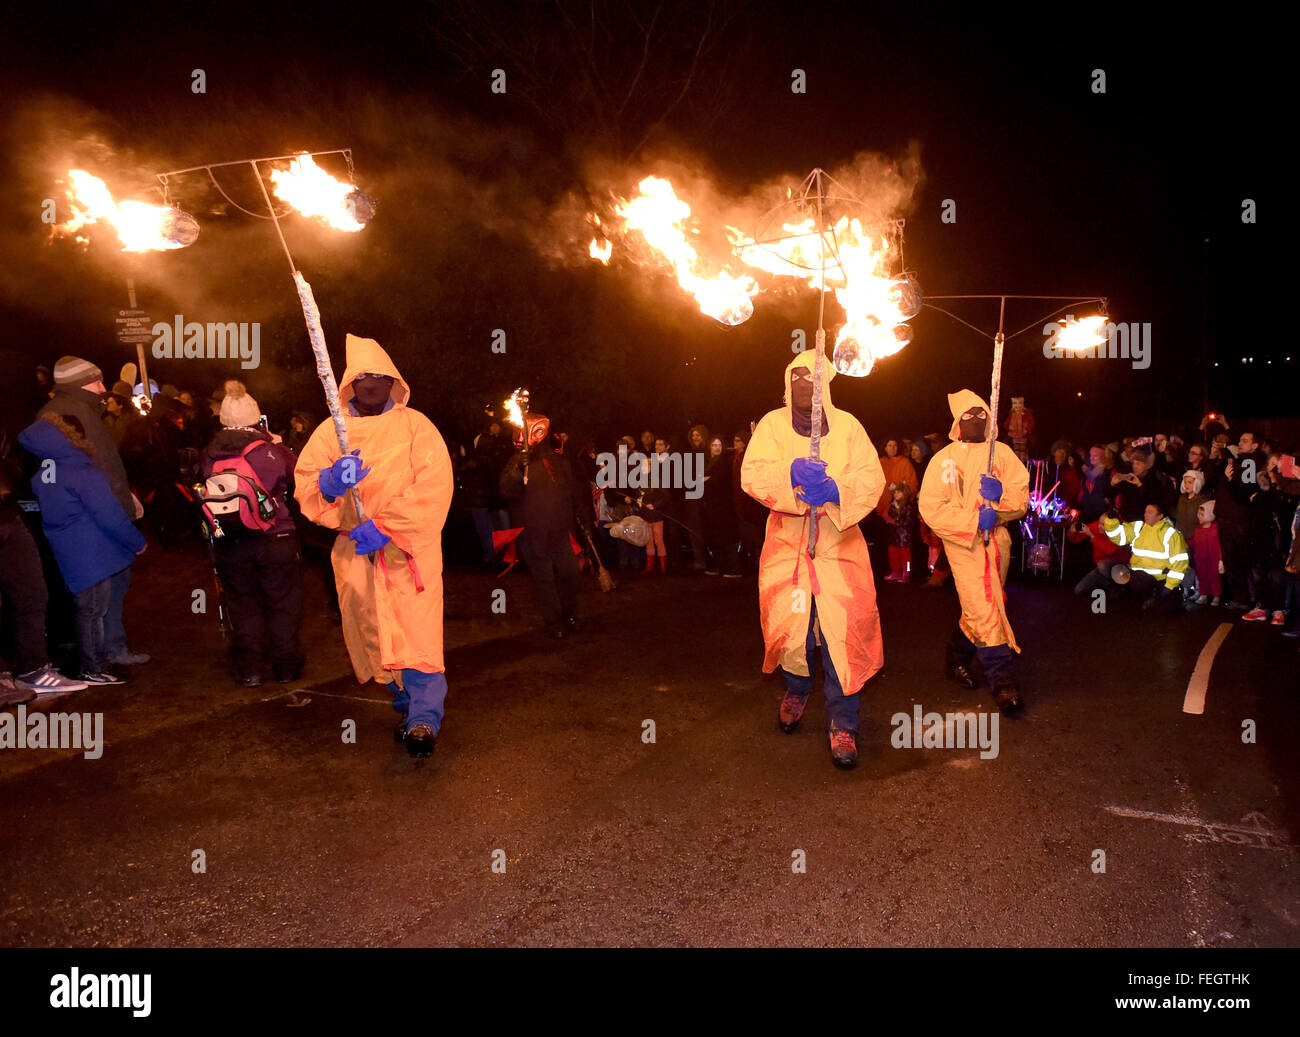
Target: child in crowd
902 512
1191 496
1207 558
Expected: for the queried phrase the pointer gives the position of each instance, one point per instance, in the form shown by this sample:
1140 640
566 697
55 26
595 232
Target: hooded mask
802 420
959 403
366 356
539 427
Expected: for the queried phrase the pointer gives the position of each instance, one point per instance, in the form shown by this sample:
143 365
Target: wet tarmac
548 817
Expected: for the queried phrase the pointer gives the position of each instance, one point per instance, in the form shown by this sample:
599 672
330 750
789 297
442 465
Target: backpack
235 503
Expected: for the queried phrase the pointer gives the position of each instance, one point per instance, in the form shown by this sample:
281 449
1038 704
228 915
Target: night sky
1135 194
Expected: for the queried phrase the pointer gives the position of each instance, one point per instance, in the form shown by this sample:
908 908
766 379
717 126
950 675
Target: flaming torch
838 255
313 192
842 256
1077 335
139 226
516 407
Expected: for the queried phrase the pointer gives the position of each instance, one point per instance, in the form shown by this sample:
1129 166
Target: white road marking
1194 700
1253 829
328 695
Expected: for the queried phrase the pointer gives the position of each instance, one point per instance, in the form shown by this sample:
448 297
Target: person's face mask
801 389
973 425
372 392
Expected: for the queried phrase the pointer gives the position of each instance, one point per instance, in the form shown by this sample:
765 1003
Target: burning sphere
361 206
906 295
853 358
180 228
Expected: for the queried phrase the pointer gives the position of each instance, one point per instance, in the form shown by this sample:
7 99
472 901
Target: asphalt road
692 839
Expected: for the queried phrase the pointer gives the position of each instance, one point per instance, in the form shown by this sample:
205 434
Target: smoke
481 226
875 188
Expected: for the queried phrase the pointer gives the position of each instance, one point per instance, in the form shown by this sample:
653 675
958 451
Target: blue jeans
114 631
421 699
841 709
1098 576
484 521
92 604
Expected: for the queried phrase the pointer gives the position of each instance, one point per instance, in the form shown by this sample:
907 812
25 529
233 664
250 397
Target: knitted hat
122 389
72 370
238 409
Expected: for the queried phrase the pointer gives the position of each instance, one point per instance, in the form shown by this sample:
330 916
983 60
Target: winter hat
122 389
238 409
1205 513
72 370
1198 480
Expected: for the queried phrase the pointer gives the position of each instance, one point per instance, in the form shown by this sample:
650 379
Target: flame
514 407
876 305
660 217
313 192
1083 334
140 227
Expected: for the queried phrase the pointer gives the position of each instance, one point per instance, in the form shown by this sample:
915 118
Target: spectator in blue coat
92 538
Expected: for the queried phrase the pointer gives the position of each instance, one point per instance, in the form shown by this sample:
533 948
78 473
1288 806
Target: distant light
1078 394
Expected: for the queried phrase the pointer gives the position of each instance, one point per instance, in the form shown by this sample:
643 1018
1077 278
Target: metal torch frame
1000 338
310 311
812 189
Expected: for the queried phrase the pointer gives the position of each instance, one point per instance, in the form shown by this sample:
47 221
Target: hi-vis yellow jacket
1158 550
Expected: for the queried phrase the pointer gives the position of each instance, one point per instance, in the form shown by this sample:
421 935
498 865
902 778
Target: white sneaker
48 681
101 678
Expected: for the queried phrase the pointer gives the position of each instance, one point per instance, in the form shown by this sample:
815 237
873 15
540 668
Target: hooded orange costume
839 578
391 605
950 502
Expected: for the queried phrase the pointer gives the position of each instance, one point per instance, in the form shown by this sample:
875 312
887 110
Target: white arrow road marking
1194 700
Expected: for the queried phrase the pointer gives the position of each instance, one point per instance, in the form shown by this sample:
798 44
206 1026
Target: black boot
964 677
420 741
1007 697
958 654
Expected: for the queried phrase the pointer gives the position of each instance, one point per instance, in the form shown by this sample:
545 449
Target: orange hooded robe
840 576
392 606
950 501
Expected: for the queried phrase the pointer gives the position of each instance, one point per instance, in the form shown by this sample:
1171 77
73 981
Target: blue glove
368 537
824 492
812 485
804 471
990 488
988 517
343 474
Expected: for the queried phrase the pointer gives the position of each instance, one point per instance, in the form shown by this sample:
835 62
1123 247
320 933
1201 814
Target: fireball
140 227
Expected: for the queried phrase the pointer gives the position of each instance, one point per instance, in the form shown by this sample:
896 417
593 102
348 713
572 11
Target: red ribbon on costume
812 569
506 538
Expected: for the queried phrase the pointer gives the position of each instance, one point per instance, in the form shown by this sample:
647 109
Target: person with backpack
247 481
